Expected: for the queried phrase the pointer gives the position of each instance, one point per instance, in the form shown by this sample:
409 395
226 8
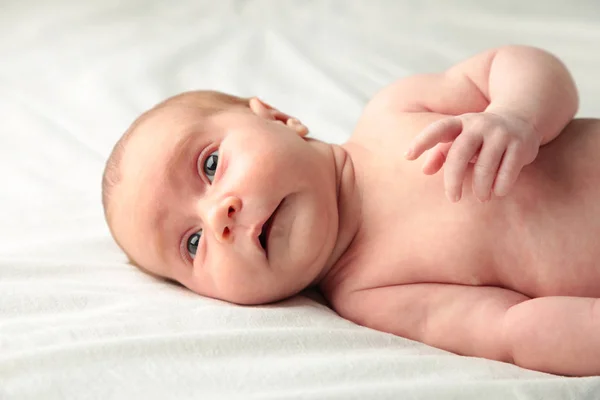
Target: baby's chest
413 239
410 233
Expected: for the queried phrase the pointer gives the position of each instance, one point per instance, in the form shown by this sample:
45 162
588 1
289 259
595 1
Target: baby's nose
222 218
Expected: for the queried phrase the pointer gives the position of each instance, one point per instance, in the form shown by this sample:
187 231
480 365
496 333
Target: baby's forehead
166 117
160 127
156 135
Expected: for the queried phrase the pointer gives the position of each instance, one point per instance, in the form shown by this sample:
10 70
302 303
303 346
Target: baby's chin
249 296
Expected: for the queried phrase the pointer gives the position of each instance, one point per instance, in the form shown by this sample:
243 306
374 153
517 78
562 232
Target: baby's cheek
244 292
306 251
228 281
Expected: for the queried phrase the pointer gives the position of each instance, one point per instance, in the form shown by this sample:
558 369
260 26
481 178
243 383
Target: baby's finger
509 170
435 159
462 151
441 131
486 167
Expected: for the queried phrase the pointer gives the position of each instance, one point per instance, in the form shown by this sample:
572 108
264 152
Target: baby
494 255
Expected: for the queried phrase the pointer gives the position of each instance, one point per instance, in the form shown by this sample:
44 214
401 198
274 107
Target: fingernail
408 153
452 197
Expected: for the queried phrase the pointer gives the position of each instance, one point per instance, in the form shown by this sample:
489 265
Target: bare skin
494 255
514 278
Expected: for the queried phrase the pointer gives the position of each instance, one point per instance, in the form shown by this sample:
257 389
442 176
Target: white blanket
76 322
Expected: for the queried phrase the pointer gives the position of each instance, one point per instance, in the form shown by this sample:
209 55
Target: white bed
76 322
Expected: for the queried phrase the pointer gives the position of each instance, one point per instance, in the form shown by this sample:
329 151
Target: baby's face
233 206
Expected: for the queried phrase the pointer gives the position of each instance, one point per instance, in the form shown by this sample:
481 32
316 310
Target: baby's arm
466 320
552 334
531 84
525 81
506 102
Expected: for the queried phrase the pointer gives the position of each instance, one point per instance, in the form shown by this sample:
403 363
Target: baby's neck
348 205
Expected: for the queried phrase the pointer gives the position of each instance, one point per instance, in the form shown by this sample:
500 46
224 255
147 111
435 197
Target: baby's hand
498 145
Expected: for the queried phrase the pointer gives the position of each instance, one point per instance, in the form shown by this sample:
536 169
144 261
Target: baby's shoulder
381 123
391 115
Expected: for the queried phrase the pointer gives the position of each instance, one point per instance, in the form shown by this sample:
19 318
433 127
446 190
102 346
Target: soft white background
77 322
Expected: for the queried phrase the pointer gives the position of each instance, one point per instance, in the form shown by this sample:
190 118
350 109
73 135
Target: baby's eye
192 243
210 165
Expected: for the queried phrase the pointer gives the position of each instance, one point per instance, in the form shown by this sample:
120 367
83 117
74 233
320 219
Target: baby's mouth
263 238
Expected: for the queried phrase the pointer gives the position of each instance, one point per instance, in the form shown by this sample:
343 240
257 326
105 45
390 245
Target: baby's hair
205 101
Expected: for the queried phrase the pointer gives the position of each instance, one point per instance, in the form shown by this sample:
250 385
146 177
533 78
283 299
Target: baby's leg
556 334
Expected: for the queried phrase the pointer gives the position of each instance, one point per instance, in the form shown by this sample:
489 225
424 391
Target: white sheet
77 322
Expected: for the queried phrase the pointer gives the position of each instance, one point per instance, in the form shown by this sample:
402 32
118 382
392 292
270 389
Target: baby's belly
542 239
553 219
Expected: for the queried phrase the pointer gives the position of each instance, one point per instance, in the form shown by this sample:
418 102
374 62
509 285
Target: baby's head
224 195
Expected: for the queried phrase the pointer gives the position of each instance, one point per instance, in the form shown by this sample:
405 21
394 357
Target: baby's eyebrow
180 149
158 225
173 165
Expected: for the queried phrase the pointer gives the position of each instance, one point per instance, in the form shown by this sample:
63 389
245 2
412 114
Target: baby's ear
266 111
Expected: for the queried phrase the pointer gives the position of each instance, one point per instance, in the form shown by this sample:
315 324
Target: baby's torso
541 239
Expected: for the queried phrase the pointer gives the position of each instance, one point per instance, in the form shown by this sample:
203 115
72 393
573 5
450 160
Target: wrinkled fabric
78 322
